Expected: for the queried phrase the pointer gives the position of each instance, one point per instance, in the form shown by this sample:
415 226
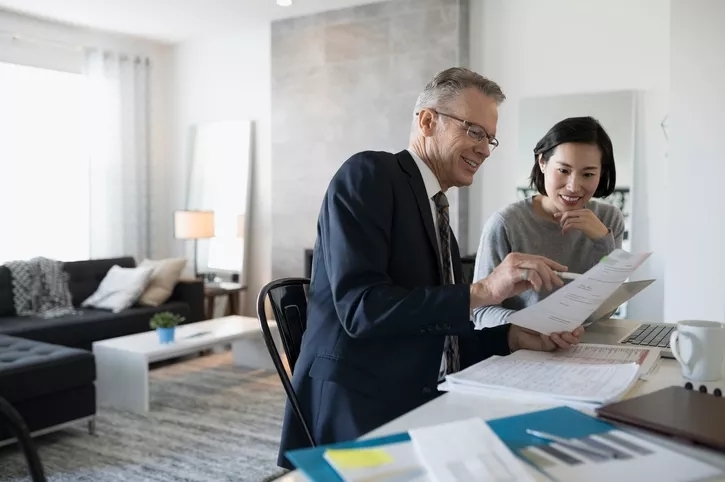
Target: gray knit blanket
40 288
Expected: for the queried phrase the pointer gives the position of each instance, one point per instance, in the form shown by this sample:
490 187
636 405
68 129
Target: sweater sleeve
492 249
613 240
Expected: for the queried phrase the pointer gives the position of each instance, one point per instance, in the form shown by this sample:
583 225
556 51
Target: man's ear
427 122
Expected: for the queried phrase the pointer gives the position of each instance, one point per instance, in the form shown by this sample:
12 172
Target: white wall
695 286
227 78
535 48
53 45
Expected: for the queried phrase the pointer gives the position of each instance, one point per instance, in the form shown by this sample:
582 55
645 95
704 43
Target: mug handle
675 349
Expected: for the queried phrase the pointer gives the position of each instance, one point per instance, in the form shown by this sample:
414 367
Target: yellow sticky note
358 458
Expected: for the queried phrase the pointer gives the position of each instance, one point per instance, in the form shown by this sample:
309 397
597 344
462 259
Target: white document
571 305
636 459
465 451
560 380
595 354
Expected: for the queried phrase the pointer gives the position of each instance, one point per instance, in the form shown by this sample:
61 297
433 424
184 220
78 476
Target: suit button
427 391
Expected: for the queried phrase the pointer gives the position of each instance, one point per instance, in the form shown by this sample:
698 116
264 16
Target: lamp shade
193 224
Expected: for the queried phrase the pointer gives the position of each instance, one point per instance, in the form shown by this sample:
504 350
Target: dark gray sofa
81 330
47 369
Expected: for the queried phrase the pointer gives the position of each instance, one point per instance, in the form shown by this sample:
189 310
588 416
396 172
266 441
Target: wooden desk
451 407
212 290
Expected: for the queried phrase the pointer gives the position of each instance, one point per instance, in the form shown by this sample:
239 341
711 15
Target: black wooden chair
288 298
468 263
14 421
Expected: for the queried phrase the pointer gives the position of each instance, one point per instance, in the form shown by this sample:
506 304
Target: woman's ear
542 164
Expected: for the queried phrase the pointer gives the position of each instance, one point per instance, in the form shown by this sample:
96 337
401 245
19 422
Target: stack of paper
595 354
395 462
549 376
460 451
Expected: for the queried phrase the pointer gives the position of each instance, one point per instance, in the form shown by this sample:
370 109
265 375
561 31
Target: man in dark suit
388 314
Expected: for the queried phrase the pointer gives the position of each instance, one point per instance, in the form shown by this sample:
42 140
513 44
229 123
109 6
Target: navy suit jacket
377 313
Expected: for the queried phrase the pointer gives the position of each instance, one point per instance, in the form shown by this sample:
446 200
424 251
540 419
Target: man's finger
559 341
546 275
546 343
578 331
526 261
570 338
534 279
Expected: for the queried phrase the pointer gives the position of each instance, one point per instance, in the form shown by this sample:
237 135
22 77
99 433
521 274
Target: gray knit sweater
517 228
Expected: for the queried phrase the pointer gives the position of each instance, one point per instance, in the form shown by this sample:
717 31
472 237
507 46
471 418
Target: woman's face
571 175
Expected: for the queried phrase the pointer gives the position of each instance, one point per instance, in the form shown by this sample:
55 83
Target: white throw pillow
166 273
120 288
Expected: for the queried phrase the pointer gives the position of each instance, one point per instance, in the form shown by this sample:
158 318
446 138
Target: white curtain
119 158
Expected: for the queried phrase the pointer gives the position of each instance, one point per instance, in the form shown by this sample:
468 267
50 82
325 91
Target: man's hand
517 273
583 220
523 339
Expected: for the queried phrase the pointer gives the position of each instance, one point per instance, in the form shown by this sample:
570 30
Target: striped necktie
451 345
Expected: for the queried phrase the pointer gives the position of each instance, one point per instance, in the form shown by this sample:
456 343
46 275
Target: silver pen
572 444
564 275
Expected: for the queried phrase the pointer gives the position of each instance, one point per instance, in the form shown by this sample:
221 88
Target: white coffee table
122 364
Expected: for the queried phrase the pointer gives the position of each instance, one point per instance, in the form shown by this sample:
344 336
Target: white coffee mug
699 346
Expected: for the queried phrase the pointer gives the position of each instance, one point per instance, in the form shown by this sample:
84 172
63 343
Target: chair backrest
468 263
11 417
288 298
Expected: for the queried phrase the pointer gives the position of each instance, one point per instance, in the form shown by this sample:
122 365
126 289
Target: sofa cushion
88 326
120 289
86 276
30 369
7 303
166 274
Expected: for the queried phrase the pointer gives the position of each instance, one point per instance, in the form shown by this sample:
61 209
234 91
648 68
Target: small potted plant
164 324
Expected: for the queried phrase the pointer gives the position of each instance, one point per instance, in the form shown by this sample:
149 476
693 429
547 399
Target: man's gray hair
449 83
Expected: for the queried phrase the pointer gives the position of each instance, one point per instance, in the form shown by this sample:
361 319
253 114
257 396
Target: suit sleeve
355 230
493 247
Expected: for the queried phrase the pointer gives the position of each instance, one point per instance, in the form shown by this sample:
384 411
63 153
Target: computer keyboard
657 335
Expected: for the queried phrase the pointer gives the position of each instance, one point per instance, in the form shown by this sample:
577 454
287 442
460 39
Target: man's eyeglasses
474 131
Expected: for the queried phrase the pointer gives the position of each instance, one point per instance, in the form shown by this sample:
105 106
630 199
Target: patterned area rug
209 421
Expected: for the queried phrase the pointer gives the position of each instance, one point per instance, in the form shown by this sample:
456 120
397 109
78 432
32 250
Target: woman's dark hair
584 130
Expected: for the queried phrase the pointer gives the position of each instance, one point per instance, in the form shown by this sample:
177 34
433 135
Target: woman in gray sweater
573 163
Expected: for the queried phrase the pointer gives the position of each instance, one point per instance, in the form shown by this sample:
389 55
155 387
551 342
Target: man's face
460 136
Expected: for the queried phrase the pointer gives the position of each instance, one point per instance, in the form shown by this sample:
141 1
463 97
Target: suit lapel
421 197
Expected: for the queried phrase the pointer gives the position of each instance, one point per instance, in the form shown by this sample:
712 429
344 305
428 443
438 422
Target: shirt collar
432 186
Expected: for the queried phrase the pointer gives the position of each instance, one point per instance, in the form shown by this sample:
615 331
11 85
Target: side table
230 290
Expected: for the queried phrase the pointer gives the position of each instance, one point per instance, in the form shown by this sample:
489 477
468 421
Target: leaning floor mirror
220 182
615 111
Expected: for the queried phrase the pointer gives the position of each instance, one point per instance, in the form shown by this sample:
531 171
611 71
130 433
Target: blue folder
562 421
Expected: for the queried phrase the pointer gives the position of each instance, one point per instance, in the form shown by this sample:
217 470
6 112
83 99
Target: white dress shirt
433 187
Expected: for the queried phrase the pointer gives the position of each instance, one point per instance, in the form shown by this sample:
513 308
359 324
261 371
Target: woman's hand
583 220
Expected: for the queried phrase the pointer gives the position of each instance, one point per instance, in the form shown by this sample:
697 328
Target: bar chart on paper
593 450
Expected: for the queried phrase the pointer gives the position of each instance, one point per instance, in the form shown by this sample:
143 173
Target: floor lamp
194 225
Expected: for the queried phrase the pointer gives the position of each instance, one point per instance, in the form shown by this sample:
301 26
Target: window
44 164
